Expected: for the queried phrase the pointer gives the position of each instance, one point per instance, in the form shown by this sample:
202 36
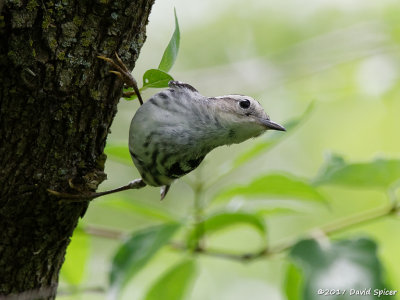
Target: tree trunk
57 103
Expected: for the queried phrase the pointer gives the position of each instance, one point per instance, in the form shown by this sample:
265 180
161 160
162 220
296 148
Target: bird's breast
166 138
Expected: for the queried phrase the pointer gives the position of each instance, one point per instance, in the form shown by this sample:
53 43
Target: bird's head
244 117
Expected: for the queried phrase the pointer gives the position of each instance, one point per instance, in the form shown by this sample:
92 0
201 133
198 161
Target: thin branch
330 229
199 215
85 290
105 233
371 215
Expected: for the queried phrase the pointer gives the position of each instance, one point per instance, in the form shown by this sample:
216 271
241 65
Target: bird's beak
272 125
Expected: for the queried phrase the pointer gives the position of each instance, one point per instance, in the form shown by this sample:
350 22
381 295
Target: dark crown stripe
181 85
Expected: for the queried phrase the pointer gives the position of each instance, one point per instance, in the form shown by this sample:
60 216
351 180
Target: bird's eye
244 104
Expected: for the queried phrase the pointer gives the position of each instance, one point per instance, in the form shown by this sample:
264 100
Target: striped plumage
172 132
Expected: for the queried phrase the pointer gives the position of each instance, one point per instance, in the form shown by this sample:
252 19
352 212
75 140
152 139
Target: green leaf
346 265
271 139
224 220
175 283
154 78
76 258
379 173
171 52
274 186
136 252
293 282
146 210
118 153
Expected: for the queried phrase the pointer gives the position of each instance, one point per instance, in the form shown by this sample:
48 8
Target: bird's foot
123 73
134 184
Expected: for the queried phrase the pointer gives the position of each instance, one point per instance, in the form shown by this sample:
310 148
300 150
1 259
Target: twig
104 233
330 229
87 290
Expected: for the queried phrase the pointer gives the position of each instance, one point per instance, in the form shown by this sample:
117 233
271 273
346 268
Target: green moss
95 94
87 38
62 172
65 79
94 123
109 46
69 29
58 115
101 160
46 21
77 21
32 4
11 54
71 130
66 106
53 43
81 164
61 55
33 52
2 23
49 68
85 42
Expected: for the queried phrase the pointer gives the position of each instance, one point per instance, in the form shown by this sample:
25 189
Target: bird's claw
164 191
123 73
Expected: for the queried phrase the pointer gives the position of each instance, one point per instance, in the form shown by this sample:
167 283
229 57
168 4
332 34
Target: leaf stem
199 215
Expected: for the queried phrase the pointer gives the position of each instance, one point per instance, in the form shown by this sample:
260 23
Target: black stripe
231 133
182 85
164 160
194 163
154 156
176 171
206 116
154 102
155 174
163 95
132 154
148 138
217 123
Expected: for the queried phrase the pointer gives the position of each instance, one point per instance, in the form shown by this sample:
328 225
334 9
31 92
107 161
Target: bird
172 132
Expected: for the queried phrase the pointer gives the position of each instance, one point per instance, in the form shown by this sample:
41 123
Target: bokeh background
343 56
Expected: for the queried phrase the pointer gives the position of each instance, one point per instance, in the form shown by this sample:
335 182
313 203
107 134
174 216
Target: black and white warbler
172 132
175 129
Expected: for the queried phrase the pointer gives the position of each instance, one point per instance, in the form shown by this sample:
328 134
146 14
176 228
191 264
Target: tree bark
57 103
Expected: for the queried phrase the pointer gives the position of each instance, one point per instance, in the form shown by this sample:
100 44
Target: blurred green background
341 55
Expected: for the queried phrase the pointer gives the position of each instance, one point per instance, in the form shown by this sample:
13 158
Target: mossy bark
57 103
